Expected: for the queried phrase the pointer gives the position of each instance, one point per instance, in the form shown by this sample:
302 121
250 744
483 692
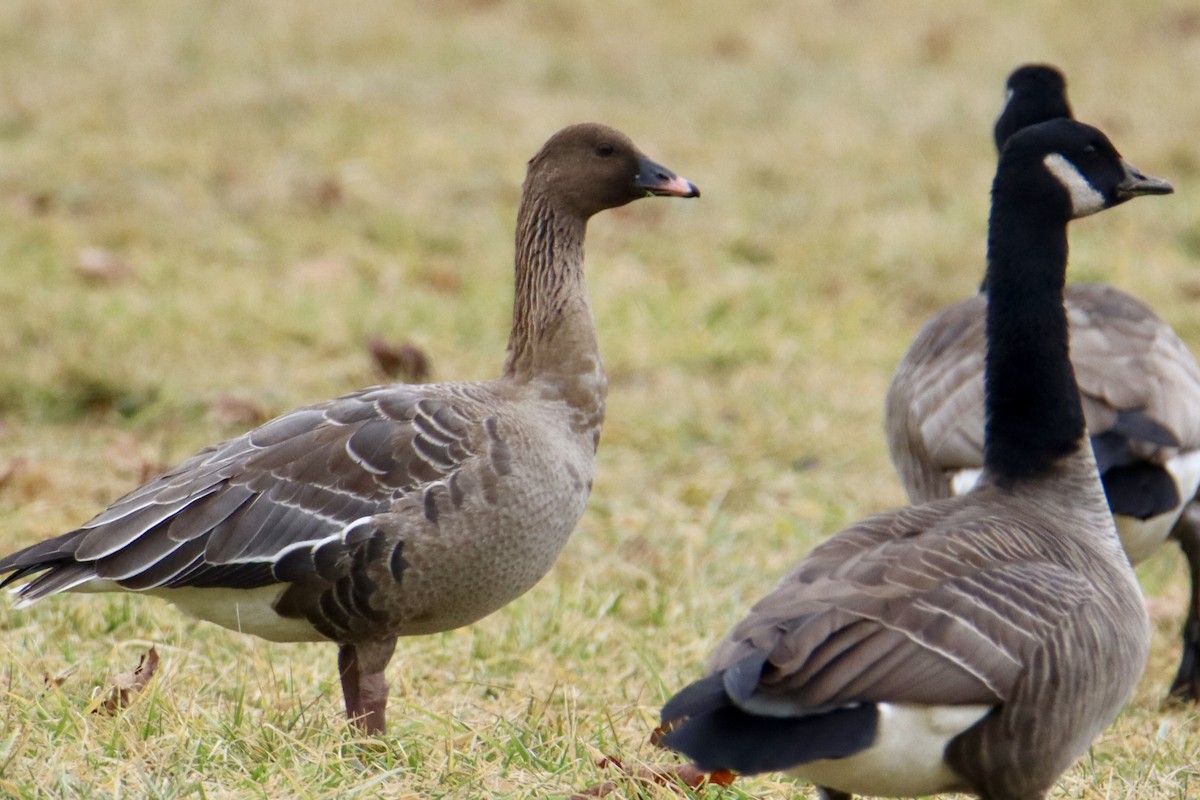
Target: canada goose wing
1137 377
937 605
1138 382
229 515
935 402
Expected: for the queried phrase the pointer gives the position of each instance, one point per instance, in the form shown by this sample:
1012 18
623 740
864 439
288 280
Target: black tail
709 728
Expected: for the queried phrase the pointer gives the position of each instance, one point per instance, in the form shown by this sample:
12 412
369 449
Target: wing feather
223 516
871 618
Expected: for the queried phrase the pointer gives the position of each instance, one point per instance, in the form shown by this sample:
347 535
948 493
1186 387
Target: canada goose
1139 383
395 510
976 643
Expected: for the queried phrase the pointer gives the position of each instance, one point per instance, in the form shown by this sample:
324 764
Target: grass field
208 208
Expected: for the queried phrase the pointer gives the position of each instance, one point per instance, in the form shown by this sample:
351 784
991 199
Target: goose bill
1136 183
660 181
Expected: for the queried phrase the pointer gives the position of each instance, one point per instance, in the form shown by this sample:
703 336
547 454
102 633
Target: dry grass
274 182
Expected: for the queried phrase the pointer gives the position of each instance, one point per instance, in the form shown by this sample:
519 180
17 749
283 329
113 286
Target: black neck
1034 417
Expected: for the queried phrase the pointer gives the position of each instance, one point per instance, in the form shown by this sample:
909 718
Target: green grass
285 179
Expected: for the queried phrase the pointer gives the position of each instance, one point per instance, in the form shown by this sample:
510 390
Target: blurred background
211 212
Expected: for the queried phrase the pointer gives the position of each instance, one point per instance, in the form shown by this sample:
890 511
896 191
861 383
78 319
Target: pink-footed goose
977 643
1139 383
395 510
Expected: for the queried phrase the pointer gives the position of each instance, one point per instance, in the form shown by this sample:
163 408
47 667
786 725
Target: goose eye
605 150
1090 152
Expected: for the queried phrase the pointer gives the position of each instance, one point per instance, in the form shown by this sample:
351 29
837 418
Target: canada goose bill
1135 183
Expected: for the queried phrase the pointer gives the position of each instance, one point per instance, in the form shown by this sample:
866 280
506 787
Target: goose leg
1186 685
364 685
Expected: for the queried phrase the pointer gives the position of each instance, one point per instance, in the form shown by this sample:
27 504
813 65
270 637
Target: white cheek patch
1085 199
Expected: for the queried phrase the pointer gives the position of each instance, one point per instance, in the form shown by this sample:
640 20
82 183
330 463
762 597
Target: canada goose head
587 168
1081 171
1036 93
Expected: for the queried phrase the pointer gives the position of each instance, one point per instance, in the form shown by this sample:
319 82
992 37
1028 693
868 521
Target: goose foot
364 685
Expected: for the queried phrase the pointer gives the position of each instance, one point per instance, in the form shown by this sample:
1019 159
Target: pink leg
364 685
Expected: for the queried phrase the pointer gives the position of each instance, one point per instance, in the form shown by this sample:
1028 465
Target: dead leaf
230 411
129 685
443 279
98 265
54 680
688 775
133 457
324 194
31 204
404 361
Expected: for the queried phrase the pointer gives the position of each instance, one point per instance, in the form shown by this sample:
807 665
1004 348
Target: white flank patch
1085 199
1185 469
964 480
242 610
908 757
1141 537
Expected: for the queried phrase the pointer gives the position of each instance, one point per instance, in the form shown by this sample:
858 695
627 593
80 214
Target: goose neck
553 336
1034 416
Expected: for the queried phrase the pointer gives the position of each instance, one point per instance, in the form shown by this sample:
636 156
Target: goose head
1073 167
588 168
1036 93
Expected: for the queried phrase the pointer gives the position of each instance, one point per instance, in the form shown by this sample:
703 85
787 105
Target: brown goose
977 643
396 510
1139 383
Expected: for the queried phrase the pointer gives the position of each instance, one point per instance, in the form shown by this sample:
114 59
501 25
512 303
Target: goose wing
1139 383
934 408
917 606
229 516
1137 377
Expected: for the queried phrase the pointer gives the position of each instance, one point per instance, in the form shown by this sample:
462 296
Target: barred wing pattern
909 606
286 500
1139 383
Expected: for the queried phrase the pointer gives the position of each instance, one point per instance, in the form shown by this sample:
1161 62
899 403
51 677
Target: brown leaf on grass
404 361
54 680
129 685
31 204
323 194
131 456
675 776
230 411
443 279
98 265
